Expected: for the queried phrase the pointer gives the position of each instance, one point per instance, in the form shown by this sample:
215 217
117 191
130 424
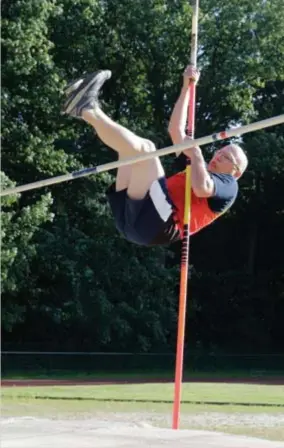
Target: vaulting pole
186 230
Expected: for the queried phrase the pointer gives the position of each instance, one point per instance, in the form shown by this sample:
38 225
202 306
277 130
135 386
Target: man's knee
143 145
148 146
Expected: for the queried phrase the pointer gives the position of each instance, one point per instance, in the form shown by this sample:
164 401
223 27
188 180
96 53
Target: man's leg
143 175
123 176
82 102
120 139
138 177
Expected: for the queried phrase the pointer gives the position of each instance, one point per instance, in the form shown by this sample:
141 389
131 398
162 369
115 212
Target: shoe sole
72 86
96 76
88 81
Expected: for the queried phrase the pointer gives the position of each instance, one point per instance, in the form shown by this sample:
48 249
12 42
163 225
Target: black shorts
147 222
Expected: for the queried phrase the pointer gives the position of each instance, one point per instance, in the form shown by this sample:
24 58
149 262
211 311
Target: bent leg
82 102
143 174
112 134
136 178
123 177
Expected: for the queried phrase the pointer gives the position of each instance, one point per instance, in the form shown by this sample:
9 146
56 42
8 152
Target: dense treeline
69 281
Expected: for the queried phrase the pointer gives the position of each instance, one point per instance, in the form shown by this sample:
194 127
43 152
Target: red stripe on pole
223 135
181 328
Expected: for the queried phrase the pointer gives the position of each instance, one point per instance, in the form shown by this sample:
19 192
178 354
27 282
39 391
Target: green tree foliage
242 82
68 278
78 270
18 227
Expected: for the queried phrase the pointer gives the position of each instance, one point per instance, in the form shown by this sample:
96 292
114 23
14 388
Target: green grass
144 374
153 403
191 392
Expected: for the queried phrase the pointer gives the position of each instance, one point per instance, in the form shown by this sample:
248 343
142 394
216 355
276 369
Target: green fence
30 362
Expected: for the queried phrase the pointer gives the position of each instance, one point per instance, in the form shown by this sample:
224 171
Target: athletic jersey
157 219
203 210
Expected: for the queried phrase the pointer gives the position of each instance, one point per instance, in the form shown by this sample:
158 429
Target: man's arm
177 124
178 118
201 181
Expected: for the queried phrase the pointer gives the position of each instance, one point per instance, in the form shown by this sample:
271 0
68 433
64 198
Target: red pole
186 232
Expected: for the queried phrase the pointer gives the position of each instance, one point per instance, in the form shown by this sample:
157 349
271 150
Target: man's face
224 161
